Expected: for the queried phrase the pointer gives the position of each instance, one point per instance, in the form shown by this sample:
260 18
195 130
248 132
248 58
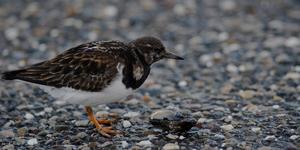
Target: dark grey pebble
171 120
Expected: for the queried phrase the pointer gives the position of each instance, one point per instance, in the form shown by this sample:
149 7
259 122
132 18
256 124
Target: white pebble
181 137
110 11
126 124
275 106
146 143
131 114
232 68
292 42
125 144
294 137
171 146
29 116
182 83
255 129
270 137
48 109
172 136
11 33
32 141
227 127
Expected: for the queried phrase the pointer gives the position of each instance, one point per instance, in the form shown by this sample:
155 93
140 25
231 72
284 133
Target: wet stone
172 120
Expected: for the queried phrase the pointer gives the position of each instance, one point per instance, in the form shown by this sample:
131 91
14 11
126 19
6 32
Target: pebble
227 127
8 147
81 135
126 124
82 123
33 141
7 133
172 120
144 144
171 146
270 137
182 83
124 144
294 137
228 5
201 120
110 11
247 94
292 42
255 129
265 148
172 136
292 75
131 114
29 116
232 68
276 106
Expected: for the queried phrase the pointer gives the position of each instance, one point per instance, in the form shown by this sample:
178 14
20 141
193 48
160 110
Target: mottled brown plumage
88 67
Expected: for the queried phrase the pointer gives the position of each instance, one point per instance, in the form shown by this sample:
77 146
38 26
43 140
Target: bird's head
152 50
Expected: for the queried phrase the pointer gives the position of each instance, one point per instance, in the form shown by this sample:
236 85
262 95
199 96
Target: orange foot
105 131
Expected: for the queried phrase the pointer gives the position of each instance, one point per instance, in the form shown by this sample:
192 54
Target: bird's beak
170 55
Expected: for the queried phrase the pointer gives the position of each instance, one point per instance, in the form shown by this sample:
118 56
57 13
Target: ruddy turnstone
95 73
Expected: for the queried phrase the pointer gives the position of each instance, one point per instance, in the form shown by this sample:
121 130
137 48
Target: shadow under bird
95 73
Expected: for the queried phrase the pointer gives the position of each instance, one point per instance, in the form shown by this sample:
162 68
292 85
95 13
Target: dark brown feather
89 67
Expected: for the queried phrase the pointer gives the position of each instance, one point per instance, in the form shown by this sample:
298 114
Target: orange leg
105 131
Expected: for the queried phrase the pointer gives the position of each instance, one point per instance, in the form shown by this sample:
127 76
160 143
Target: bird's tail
10 75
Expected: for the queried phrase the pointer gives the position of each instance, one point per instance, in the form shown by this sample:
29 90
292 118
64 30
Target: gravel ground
239 80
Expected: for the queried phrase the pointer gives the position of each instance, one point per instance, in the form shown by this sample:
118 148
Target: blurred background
240 56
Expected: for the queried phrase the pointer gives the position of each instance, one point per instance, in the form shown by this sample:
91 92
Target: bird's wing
89 67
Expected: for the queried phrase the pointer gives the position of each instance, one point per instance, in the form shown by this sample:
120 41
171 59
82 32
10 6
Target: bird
95 73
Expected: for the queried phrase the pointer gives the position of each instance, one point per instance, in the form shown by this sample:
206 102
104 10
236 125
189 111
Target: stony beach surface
239 82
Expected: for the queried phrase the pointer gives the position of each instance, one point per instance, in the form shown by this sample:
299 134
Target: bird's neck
136 70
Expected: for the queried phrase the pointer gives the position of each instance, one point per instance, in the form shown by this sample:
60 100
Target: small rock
110 11
81 135
275 106
172 120
171 146
182 83
61 128
125 144
29 116
181 137
247 94
292 76
48 109
294 137
146 143
265 148
227 5
228 119
292 42
201 120
11 33
126 124
227 127
219 136
8 147
32 141
132 114
270 137
82 123
7 133
255 129
22 131
232 68
172 136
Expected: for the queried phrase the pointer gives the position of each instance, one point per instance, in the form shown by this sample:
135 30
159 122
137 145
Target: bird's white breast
114 92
